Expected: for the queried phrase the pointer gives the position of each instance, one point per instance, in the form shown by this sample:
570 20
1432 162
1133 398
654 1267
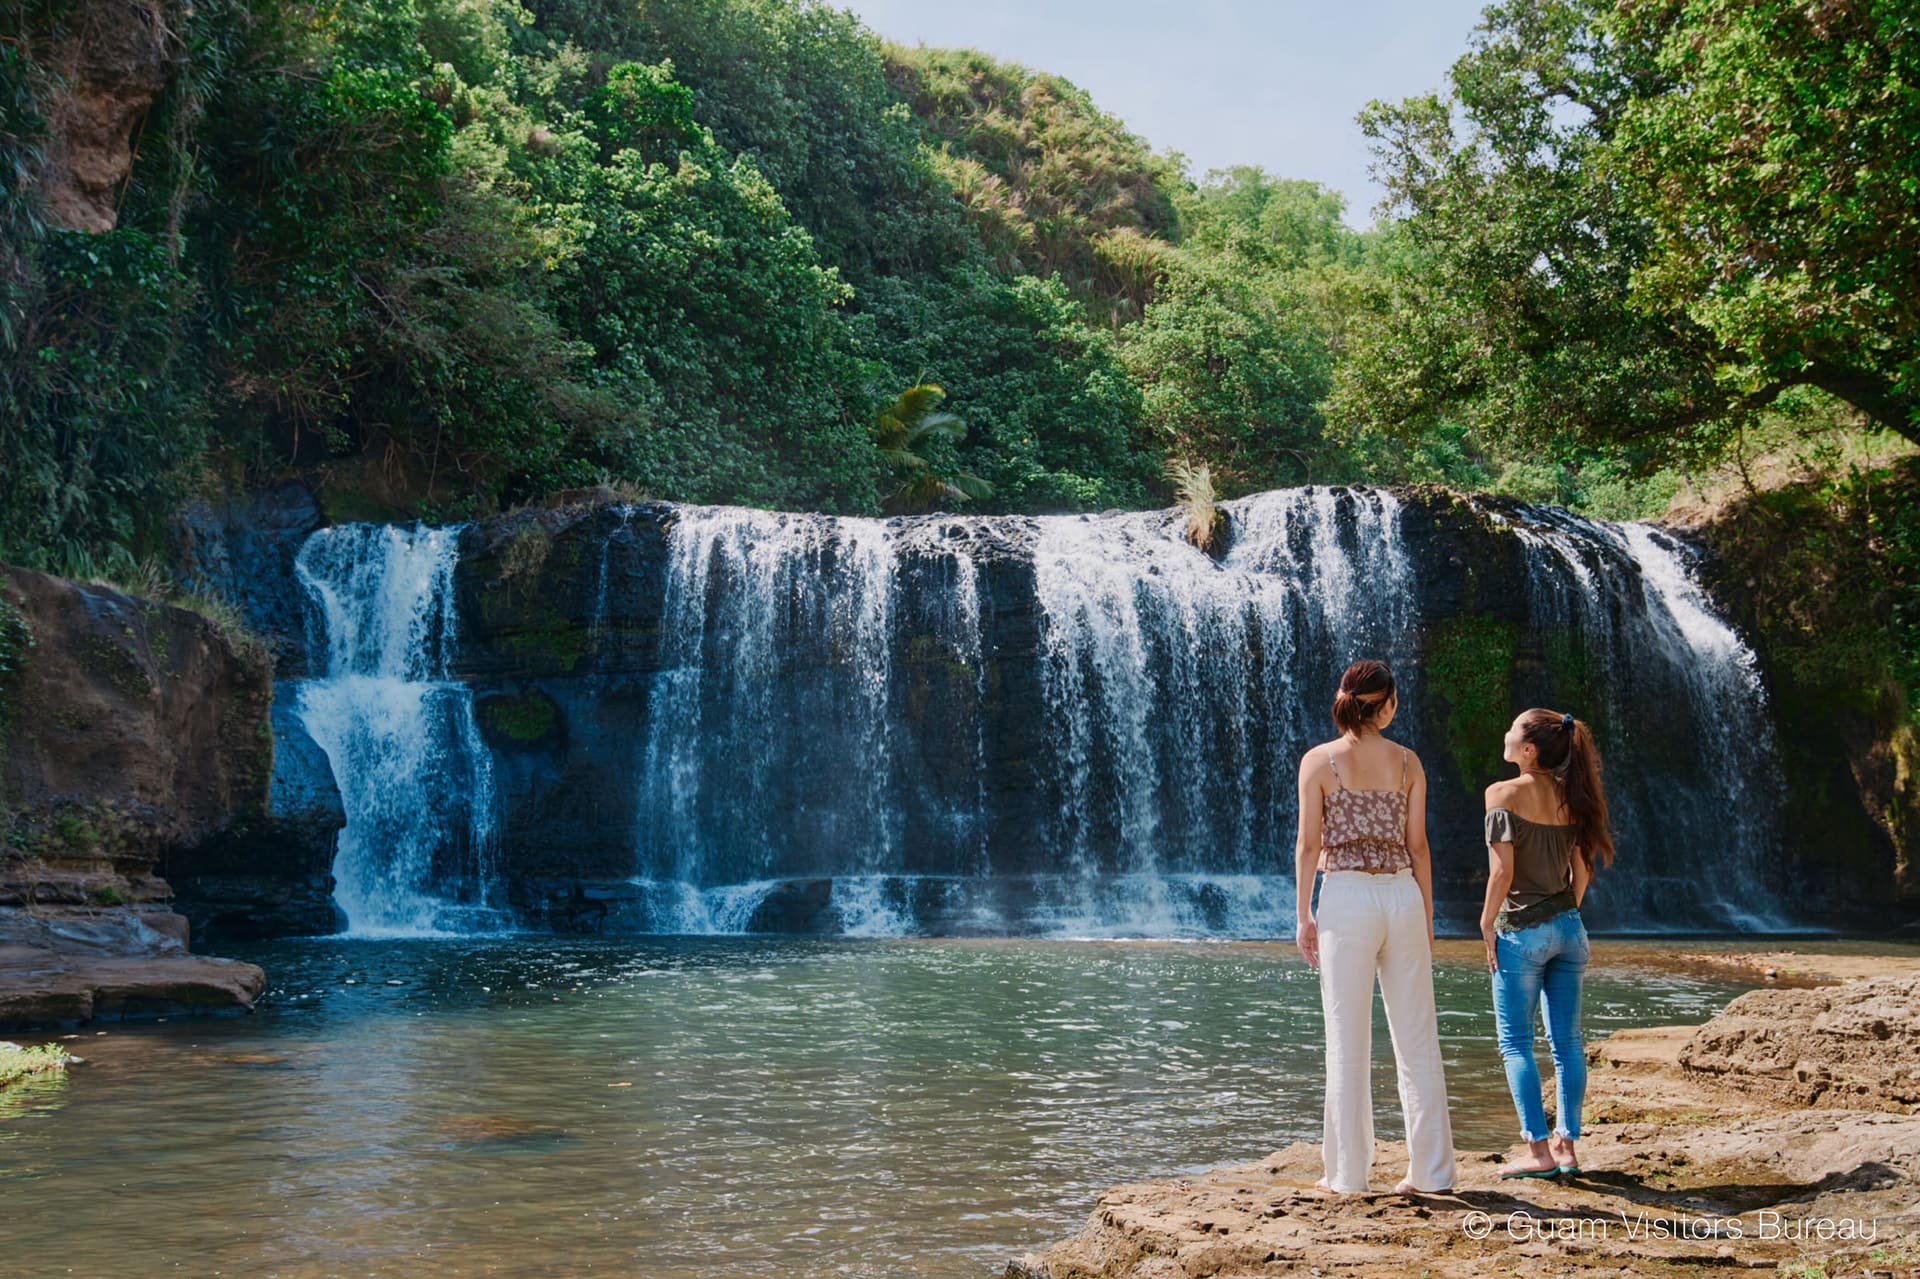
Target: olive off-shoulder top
1542 884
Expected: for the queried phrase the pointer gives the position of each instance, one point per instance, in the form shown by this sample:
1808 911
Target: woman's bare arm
1582 876
1306 859
1499 879
1417 840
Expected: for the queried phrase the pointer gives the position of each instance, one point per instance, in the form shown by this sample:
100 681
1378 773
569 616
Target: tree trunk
1872 394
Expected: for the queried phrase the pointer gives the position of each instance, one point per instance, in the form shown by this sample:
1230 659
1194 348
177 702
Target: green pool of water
698 1107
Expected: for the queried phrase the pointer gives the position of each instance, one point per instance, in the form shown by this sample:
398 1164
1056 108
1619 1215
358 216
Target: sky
1223 82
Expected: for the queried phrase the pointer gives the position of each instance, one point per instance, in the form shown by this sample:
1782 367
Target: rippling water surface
697 1107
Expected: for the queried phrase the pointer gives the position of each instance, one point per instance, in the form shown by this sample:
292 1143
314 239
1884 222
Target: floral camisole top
1365 829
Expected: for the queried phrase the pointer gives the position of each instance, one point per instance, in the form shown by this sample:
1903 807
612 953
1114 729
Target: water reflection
700 1107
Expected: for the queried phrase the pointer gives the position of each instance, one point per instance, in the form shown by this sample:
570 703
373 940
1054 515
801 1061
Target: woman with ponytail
1546 836
1363 821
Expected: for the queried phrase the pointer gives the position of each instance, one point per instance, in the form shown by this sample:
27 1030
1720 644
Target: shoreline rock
1683 1166
1854 1047
59 970
131 733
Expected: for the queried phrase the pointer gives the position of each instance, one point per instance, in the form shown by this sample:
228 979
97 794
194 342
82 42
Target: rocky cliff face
111 59
1813 571
267 876
133 729
138 757
131 733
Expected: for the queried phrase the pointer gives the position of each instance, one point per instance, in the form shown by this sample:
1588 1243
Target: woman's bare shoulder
1314 758
1501 793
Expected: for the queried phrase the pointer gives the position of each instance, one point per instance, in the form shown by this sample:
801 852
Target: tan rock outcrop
1718 1165
113 60
1855 1046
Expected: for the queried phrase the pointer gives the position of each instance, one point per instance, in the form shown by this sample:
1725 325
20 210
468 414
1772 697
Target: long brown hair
1567 750
1366 686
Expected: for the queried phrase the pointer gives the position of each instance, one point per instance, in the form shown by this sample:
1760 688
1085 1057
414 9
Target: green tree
800 88
1267 223
1779 166
1055 422
1542 297
702 300
1507 308
1232 369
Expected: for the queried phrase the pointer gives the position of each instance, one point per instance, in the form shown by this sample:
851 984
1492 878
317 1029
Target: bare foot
1529 1165
1562 1150
1405 1187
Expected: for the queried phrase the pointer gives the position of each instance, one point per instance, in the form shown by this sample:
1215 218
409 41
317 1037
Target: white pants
1375 923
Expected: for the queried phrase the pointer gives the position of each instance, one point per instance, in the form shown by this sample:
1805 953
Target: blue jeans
1542 966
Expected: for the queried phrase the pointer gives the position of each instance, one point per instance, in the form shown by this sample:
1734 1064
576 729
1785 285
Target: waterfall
1181 690
416 856
812 666
1055 725
597 623
1676 700
778 657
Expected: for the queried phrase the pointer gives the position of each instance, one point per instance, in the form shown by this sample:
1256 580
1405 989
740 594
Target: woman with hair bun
1546 835
1363 822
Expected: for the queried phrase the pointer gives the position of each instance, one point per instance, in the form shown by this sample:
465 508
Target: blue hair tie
1566 721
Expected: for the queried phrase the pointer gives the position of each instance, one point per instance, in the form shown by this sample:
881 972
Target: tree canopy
1635 225
444 256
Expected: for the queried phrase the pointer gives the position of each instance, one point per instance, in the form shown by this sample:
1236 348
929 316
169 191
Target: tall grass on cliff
1193 489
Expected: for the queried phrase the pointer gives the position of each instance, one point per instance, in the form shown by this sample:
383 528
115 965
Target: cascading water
1063 725
1180 690
1676 699
416 856
786 739
778 648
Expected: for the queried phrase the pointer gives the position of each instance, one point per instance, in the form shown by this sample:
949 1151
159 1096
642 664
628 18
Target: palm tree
909 427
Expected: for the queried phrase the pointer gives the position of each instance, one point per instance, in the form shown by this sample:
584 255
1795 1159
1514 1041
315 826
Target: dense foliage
1634 226
1050 183
1783 190
444 256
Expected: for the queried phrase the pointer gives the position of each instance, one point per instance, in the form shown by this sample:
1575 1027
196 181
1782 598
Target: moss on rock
1825 575
561 644
116 663
1469 673
526 720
